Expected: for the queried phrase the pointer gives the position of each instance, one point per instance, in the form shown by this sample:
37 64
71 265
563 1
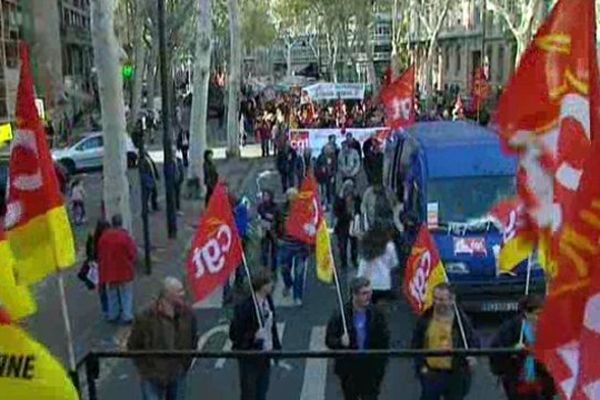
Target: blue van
449 175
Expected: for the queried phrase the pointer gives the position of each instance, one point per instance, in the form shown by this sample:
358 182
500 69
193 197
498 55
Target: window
458 60
91 143
447 59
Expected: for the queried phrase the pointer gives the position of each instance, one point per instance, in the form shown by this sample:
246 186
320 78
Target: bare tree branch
494 6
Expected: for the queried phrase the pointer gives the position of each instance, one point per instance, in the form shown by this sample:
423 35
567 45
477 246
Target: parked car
88 153
454 172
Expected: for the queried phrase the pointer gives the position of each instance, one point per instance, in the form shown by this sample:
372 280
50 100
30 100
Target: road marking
315 370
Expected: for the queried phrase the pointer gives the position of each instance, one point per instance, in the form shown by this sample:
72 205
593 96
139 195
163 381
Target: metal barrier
91 362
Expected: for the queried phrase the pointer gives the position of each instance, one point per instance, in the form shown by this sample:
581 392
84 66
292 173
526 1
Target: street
301 328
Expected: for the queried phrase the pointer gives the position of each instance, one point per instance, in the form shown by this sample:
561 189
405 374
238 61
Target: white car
88 153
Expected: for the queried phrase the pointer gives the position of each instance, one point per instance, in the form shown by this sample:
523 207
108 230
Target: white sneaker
298 302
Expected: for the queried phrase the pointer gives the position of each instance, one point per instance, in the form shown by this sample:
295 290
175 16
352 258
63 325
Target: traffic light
127 71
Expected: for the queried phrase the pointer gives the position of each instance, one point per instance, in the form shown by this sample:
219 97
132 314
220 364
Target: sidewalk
168 258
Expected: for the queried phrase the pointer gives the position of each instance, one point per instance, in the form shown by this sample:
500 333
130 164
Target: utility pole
140 138
169 161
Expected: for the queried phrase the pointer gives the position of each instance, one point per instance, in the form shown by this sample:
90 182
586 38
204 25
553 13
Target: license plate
499 306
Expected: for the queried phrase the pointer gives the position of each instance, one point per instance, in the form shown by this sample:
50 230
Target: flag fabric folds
36 220
16 299
27 370
398 99
307 224
216 249
305 212
549 114
324 254
517 243
424 271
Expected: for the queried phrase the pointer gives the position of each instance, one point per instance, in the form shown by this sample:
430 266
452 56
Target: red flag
547 114
398 100
37 224
480 89
424 271
216 250
305 213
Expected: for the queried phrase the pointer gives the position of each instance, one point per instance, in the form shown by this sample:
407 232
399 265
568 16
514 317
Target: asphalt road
301 328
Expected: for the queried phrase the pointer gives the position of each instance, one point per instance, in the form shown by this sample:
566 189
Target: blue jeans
152 390
436 385
292 257
103 300
120 301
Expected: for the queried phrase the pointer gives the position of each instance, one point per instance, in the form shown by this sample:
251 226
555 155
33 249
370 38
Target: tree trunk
200 90
233 103
139 59
110 85
334 54
521 46
288 59
45 46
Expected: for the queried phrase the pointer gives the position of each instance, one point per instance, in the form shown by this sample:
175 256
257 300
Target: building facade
460 44
60 53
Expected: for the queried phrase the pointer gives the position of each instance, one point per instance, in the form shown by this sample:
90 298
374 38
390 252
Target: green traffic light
127 72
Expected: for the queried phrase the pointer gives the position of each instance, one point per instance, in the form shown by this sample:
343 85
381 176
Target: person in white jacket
348 163
378 257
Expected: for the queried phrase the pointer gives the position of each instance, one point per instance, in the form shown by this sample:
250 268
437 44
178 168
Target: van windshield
466 198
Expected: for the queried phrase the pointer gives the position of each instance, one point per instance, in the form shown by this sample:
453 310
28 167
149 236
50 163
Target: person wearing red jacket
117 253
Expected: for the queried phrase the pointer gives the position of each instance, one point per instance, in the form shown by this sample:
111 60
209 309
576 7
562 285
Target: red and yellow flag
14 298
307 223
27 370
550 115
424 271
37 224
517 245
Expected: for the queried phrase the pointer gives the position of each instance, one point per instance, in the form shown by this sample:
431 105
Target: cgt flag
305 213
16 299
36 220
424 271
27 370
398 99
217 249
517 245
550 115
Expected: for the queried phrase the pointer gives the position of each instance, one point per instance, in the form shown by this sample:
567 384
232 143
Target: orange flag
548 115
37 224
424 271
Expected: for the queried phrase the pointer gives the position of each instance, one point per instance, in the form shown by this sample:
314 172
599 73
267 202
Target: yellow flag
324 255
16 299
28 371
514 252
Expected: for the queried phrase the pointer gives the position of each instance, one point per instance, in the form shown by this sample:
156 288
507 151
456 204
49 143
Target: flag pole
339 293
68 332
258 317
461 327
527 289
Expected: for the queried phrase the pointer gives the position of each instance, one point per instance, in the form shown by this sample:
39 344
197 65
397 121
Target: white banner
316 139
334 91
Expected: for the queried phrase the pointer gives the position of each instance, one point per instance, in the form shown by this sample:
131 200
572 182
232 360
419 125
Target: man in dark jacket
248 333
367 330
522 377
444 327
168 324
150 178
